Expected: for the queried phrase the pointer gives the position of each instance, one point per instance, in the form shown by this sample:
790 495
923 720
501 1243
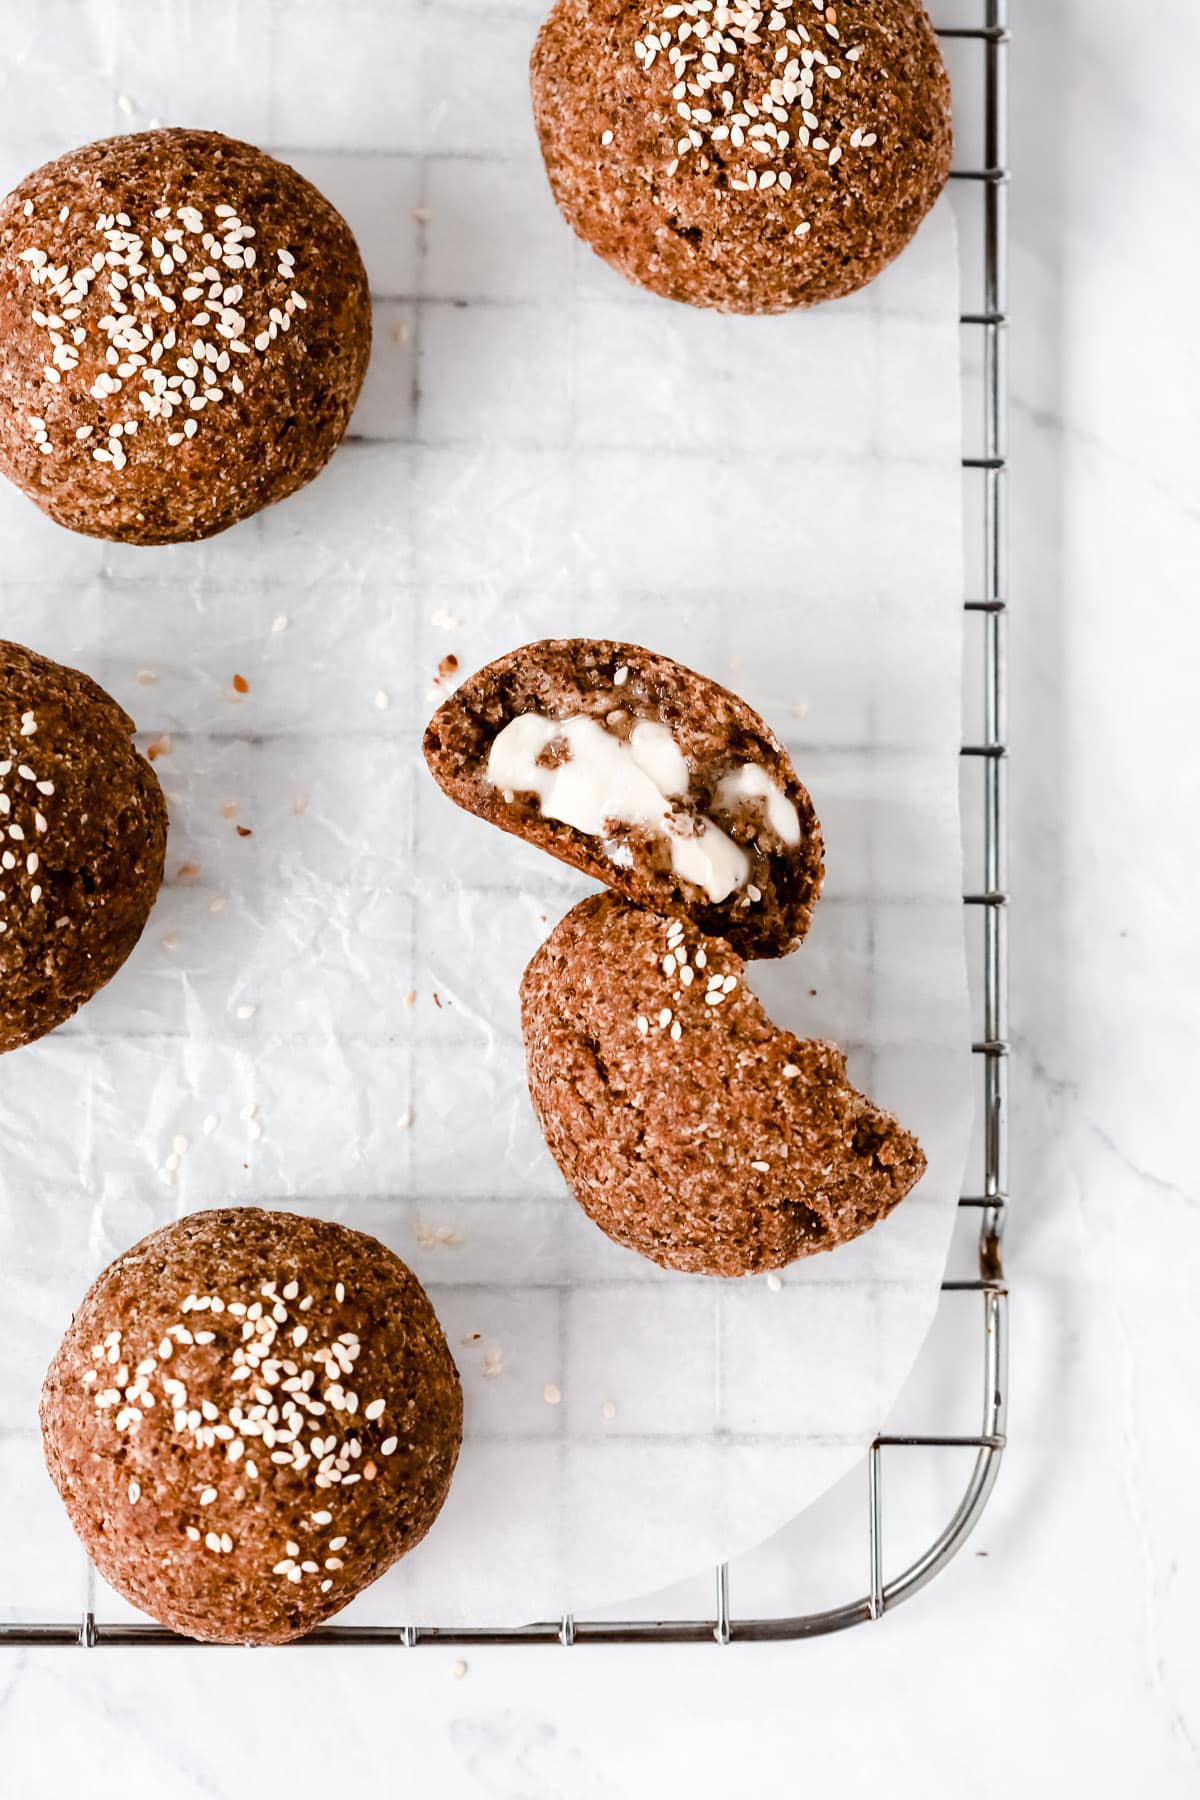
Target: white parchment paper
326 1009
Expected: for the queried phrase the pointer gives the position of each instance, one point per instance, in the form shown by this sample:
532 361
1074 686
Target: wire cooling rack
981 191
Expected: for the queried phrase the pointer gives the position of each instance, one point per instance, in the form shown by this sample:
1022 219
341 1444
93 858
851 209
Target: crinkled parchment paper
323 1013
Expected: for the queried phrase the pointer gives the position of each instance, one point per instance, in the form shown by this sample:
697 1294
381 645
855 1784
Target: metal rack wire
986 754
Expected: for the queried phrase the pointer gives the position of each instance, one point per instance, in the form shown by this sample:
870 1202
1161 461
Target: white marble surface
1065 1660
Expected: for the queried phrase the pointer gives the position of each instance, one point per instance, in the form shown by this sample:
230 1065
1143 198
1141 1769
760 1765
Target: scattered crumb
382 699
446 670
280 623
444 620
493 1361
218 903
246 1011
458 1669
410 999
437 999
159 746
775 1281
552 1393
405 1121
147 677
402 332
472 1337
609 1409
229 810
253 1129
124 104
436 1237
187 871
210 1124
422 214
240 685
244 831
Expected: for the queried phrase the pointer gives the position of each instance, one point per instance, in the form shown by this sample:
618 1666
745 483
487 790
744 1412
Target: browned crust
100 854
713 728
140 1544
250 449
732 1149
690 235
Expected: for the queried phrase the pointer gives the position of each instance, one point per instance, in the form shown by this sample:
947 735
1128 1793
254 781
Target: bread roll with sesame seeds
644 774
83 832
688 1126
746 158
184 329
252 1415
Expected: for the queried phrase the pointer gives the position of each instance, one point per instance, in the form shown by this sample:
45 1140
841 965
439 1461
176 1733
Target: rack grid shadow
982 184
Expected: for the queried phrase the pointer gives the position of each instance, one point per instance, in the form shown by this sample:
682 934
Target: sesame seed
552 1393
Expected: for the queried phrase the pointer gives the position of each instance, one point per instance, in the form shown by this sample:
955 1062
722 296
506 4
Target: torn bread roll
644 774
688 1126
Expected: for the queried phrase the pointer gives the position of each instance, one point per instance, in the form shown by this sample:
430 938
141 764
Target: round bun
689 1127
733 784
744 158
251 1417
184 329
83 833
